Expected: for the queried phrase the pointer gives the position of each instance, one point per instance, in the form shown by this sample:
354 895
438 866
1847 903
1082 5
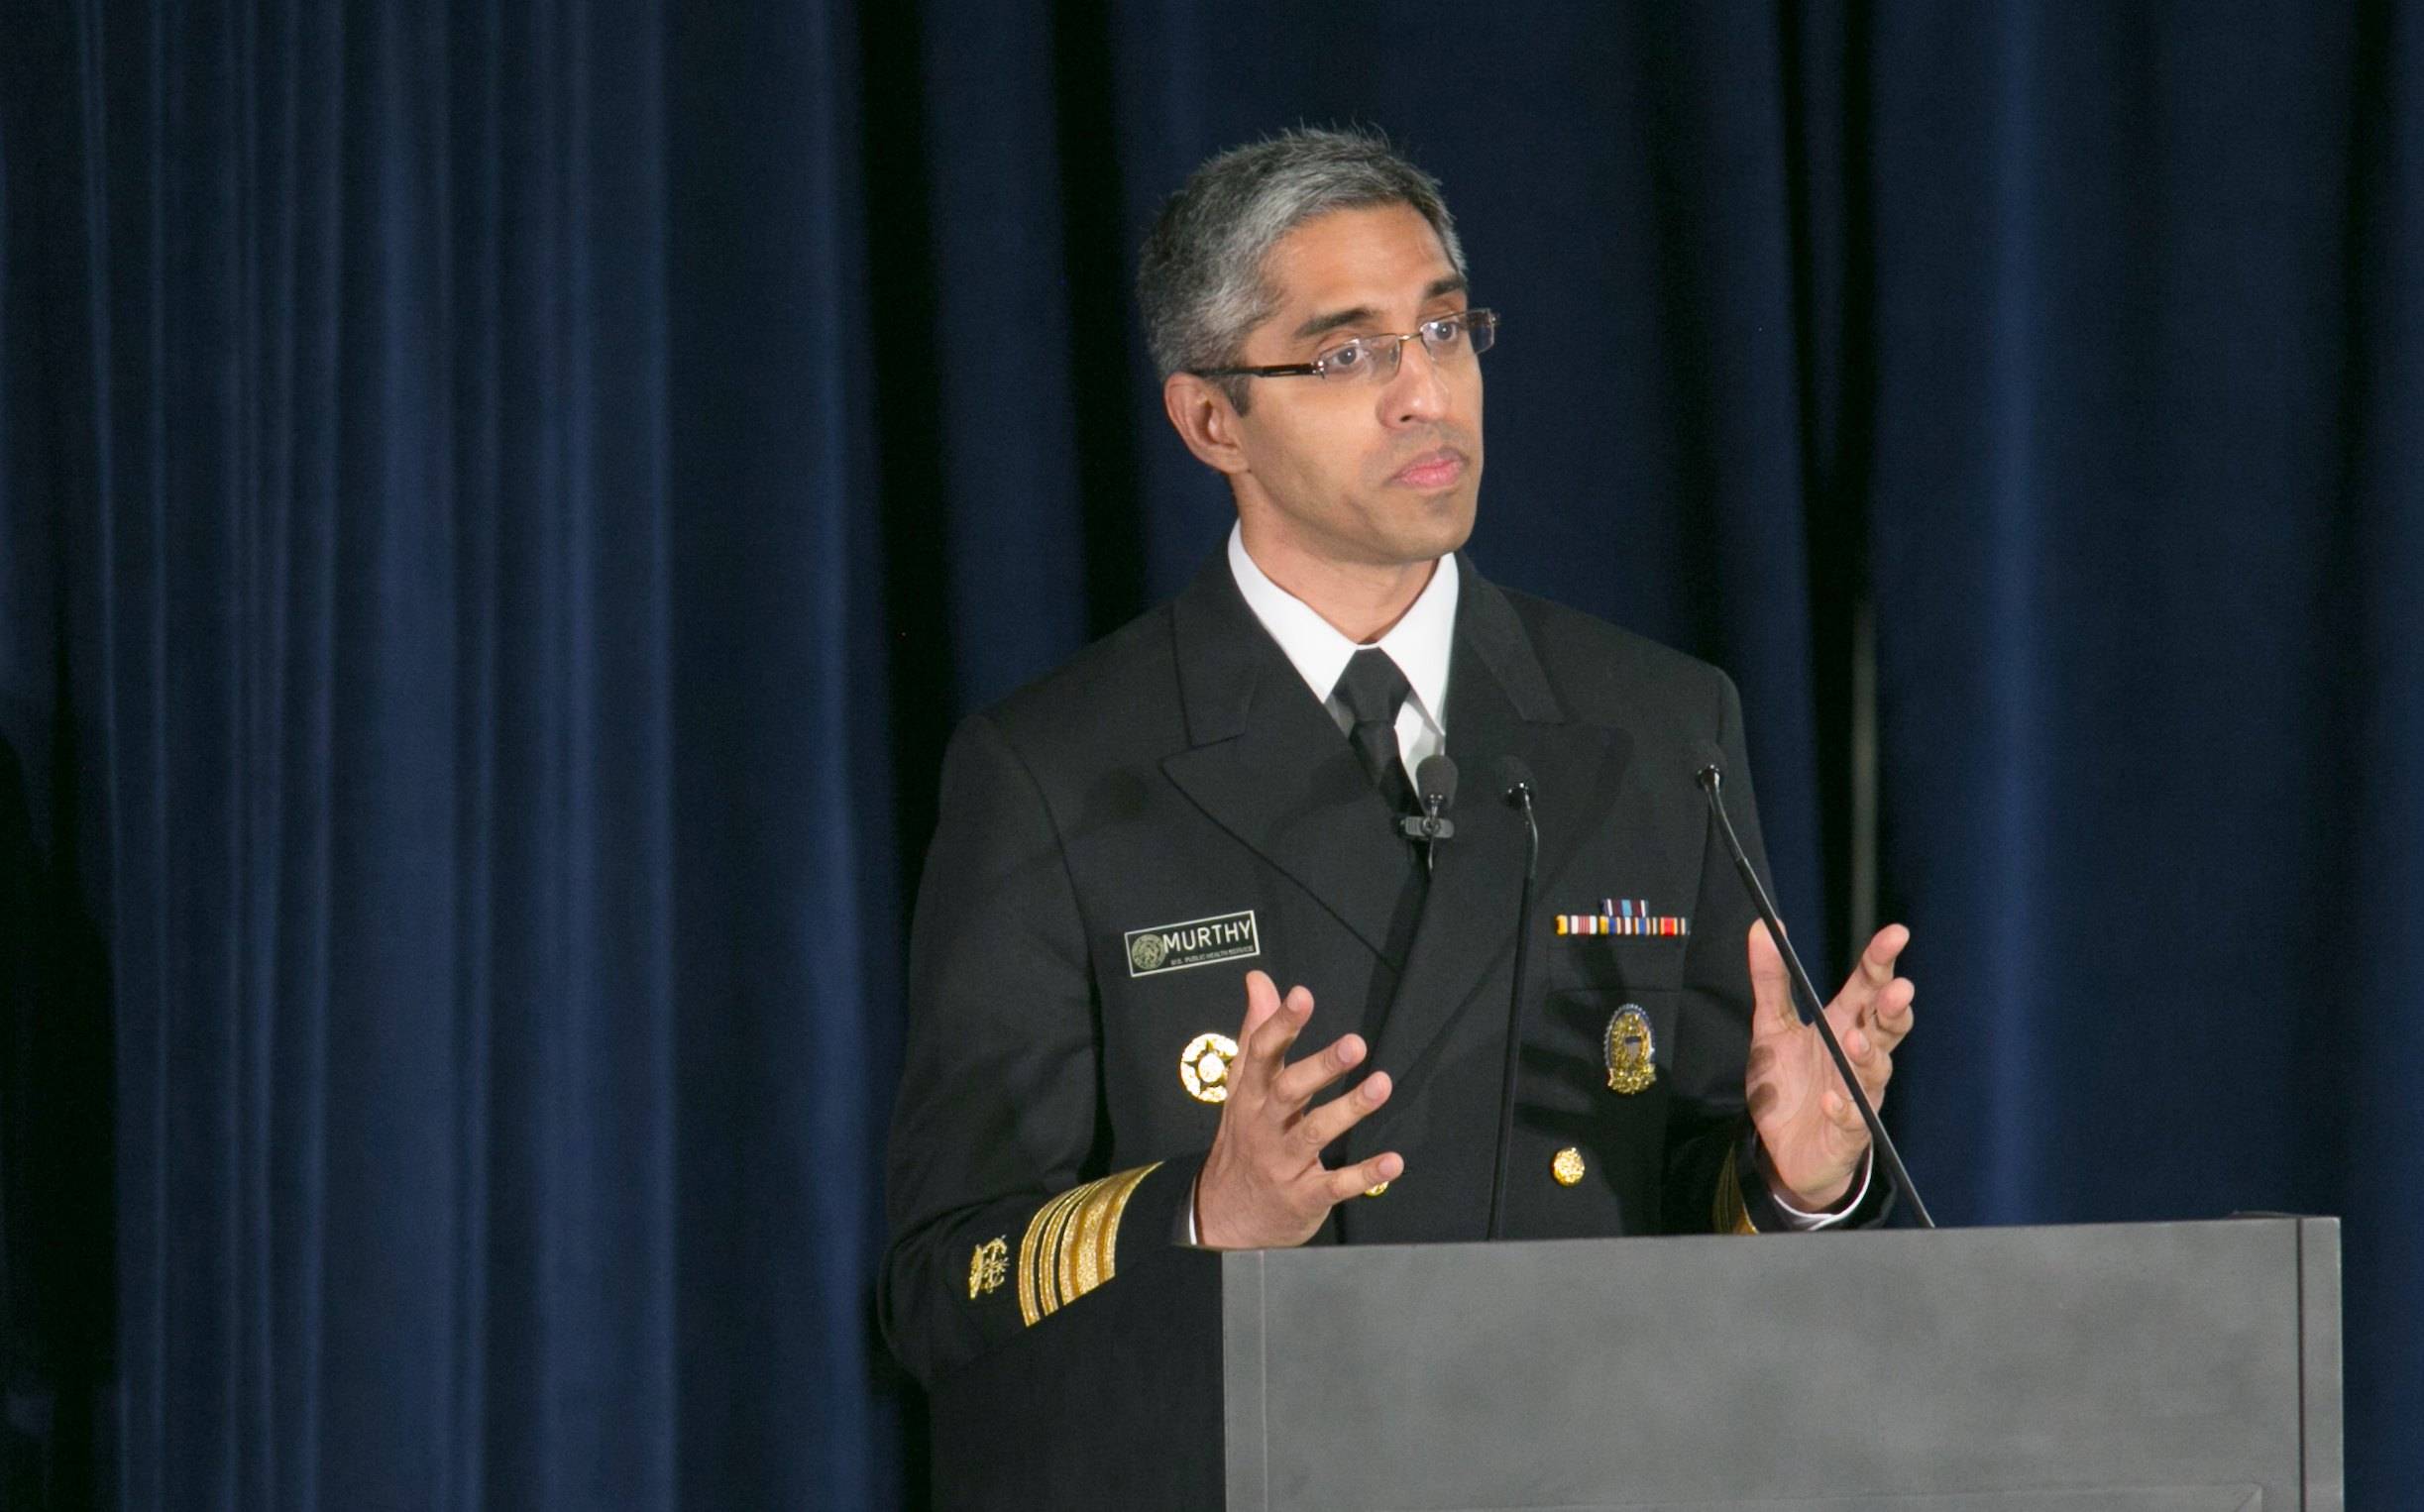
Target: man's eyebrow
1362 314
1365 314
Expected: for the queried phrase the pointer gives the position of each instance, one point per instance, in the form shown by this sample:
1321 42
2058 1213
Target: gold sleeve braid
1732 1216
1072 1244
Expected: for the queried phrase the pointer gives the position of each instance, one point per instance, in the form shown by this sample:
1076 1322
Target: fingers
1261 1001
1355 1180
1843 1116
1806 1115
1874 1000
1315 1132
1870 976
1263 1181
1771 989
1890 1016
1872 1065
1271 1026
1877 961
1868 1038
1297 1084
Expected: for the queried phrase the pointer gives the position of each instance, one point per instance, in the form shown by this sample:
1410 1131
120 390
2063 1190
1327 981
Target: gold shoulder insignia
1072 1244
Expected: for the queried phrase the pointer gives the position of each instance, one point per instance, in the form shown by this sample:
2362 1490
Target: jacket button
1567 1167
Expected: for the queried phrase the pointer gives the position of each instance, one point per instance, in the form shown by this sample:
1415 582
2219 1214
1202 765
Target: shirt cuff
1796 1218
1182 1232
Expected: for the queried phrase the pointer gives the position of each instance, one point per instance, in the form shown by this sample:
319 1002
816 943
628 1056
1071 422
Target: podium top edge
2323 1223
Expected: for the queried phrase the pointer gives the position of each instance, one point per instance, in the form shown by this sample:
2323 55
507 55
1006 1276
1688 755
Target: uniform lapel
1499 704
1265 761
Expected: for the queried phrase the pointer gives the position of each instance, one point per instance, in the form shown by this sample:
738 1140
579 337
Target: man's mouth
1431 470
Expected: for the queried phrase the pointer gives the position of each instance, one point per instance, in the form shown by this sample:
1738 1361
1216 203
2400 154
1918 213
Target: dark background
500 503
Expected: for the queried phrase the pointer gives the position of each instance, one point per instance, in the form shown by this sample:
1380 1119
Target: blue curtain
501 502
2143 299
445 646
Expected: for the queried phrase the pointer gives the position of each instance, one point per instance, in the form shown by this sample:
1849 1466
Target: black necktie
1373 689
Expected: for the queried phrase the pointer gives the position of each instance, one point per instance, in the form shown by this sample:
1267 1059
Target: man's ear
1205 420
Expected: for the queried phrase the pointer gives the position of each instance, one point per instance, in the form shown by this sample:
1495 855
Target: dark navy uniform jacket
1180 771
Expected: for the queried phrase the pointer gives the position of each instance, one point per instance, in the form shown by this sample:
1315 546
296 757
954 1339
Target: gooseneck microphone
1813 1008
1516 786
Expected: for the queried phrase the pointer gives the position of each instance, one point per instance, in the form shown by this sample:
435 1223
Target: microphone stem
1514 1019
1813 1008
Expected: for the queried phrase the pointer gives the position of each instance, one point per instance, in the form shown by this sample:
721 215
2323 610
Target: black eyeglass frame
1467 323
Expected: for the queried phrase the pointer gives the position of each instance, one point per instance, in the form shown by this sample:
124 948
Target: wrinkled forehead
1344 266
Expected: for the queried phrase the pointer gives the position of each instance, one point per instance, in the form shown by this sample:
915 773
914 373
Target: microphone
1812 1007
1435 781
1516 786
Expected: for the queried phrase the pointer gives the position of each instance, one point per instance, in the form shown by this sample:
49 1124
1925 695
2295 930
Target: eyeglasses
1375 359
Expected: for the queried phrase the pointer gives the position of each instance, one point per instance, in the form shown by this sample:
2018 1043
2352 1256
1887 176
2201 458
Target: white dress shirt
1420 643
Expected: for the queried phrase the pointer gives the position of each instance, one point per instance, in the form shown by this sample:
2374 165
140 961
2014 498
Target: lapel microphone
1516 786
1435 782
1812 1007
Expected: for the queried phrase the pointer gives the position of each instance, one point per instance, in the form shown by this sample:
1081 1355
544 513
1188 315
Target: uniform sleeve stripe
1051 1289
1733 1215
1124 1188
1031 1249
1072 1244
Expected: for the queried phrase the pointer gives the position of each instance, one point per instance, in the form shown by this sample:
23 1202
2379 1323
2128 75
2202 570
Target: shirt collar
1419 642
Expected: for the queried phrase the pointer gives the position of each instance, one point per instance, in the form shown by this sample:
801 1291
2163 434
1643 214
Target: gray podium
2159 1367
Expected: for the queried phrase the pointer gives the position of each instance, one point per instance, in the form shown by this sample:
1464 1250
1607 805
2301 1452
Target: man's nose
1417 393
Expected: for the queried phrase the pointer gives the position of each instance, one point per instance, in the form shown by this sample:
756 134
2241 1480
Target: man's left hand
1808 1126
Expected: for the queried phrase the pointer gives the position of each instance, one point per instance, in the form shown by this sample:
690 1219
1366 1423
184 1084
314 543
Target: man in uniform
1136 852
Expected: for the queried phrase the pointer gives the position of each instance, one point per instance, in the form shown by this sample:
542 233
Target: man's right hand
1263 1185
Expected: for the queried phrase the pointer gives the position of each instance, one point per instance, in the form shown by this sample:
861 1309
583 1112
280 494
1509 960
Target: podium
2150 1367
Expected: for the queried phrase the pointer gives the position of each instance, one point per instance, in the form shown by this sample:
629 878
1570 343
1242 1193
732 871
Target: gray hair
1199 281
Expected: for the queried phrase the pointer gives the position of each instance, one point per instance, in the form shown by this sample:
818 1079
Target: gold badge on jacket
1204 1067
1629 1049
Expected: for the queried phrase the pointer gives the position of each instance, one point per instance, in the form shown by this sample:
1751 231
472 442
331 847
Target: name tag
1196 942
